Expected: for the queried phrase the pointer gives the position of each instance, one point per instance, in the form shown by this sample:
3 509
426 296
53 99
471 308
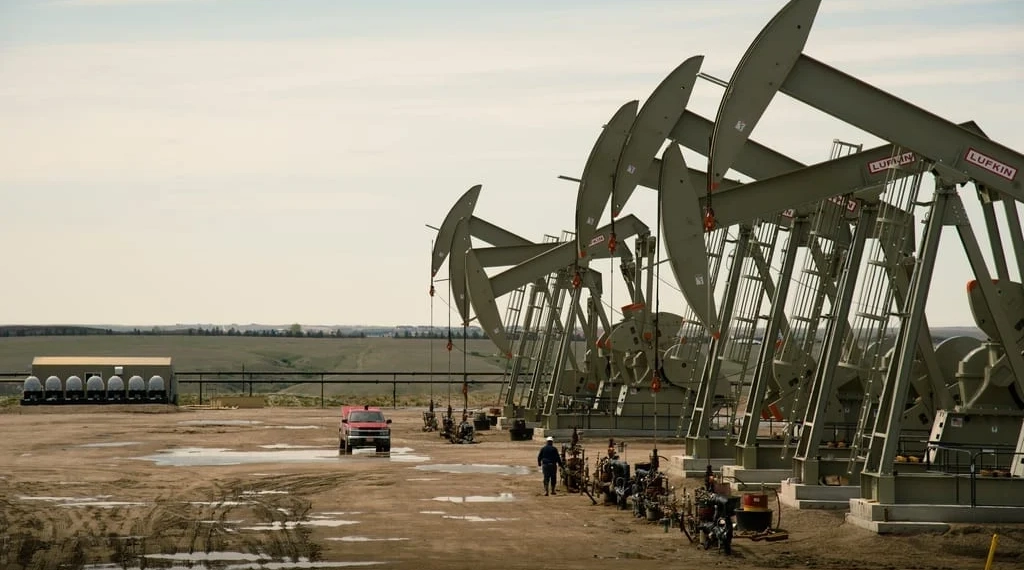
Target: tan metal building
125 367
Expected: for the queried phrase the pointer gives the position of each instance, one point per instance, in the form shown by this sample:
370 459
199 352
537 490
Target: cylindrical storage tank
32 390
754 521
73 389
94 388
115 388
32 384
754 514
54 388
156 388
755 502
136 388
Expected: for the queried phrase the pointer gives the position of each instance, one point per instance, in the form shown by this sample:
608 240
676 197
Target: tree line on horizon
294 331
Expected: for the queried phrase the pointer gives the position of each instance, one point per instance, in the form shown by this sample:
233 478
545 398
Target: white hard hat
551 438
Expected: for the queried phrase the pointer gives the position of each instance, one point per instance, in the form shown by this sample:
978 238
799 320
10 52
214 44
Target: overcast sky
236 161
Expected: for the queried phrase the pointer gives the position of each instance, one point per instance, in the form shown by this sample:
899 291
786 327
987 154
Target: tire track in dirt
193 518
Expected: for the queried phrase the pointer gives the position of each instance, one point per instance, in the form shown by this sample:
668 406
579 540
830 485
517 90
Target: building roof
101 361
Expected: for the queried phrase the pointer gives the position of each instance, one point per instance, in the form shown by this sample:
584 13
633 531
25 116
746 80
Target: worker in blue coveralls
549 460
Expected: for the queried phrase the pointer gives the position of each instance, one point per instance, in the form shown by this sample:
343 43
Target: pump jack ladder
794 350
859 174
847 177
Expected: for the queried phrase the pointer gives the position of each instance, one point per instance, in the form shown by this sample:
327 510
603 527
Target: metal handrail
974 470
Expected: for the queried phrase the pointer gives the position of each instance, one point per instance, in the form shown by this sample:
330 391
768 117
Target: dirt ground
90 489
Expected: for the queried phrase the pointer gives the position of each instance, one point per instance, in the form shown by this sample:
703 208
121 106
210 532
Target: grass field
224 353
275 355
265 358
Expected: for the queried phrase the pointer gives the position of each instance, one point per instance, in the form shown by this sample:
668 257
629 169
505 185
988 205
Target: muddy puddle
294 427
406 455
205 456
475 518
291 525
476 468
216 423
208 557
100 501
363 539
224 503
199 563
244 423
467 518
500 498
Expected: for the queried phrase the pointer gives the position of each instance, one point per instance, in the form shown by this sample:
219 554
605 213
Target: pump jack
628 346
672 201
955 155
460 224
989 384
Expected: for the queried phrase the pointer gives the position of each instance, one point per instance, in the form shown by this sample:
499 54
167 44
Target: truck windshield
365 416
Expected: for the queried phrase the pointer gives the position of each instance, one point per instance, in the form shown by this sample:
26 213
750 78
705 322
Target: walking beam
657 118
866 171
483 290
774 62
691 130
754 160
504 254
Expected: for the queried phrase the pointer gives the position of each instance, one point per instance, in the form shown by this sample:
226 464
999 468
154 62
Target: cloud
264 107
889 6
941 77
216 155
882 45
118 2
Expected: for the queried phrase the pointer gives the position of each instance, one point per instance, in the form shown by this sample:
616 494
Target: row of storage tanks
93 390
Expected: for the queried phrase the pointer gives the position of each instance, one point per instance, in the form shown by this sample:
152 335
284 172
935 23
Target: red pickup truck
363 426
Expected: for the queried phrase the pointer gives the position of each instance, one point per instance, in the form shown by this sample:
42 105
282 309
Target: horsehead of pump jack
453 240
622 157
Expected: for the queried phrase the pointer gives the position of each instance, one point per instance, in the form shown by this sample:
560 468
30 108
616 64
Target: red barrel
755 502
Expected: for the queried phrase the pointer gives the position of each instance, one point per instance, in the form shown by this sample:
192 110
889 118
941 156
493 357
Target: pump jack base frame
688 466
822 497
917 519
740 476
